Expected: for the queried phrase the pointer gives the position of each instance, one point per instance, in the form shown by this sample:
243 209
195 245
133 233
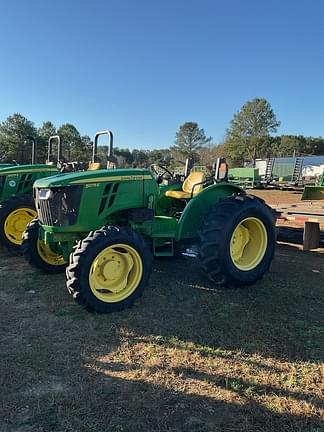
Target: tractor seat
93 166
192 185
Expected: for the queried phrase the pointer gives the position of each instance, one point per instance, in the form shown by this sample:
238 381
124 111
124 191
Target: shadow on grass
106 402
164 409
281 316
55 377
235 384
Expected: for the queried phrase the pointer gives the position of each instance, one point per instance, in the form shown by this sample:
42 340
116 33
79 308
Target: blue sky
142 68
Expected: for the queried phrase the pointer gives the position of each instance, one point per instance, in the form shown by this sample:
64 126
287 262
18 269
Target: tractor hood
92 177
21 169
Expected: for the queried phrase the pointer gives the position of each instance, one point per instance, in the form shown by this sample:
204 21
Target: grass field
185 358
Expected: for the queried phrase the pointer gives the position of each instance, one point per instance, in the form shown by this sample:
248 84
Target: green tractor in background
316 192
17 206
5 165
104 226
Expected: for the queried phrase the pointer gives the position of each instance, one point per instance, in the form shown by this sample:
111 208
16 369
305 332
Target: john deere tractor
17 206
105 226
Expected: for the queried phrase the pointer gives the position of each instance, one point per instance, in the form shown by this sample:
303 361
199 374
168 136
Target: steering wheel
62 164
160 171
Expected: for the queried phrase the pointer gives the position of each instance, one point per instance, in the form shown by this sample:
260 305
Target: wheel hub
48 255
111 270
16 223
240 239
115 273
248 243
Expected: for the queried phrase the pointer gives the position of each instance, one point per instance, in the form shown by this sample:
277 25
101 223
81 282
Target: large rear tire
15 215
237 241
38 254
109 269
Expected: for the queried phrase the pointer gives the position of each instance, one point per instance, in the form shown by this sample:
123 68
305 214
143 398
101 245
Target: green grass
186 357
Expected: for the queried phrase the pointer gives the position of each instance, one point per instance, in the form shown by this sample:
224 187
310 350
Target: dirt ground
289 231
186 357
276 197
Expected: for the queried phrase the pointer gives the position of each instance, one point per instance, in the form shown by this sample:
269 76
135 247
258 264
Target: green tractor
17 206
316 192
5 165
103 227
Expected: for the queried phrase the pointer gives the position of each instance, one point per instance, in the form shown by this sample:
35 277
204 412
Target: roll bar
188 166
50 147
110 144
34 148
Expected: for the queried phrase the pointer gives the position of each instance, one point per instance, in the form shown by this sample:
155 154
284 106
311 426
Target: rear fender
197 208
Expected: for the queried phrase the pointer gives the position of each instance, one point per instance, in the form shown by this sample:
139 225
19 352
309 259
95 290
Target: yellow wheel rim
248 243
48 255
16 223
115 273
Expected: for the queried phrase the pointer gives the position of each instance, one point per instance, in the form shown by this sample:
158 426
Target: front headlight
44 194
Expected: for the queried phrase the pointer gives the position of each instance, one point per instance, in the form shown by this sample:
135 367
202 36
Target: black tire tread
211 245
74 270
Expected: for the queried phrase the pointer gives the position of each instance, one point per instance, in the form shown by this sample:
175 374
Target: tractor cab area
175 191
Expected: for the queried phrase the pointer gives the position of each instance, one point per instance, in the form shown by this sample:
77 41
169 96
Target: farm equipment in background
316 192
247 178
268 175
287 175
103 227
277 174
297 171
17 206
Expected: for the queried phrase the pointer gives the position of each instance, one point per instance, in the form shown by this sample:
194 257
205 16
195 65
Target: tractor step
163 246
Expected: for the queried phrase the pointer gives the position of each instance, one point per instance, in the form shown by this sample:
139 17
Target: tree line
250 135
14 146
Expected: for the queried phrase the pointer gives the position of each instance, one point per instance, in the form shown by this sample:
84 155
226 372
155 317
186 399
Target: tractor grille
58 206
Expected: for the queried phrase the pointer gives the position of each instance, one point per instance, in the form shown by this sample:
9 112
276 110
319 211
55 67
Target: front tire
38 254
15 215
237 241
109 269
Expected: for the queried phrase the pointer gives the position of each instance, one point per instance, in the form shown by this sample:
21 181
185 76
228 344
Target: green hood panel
93 177
21 169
